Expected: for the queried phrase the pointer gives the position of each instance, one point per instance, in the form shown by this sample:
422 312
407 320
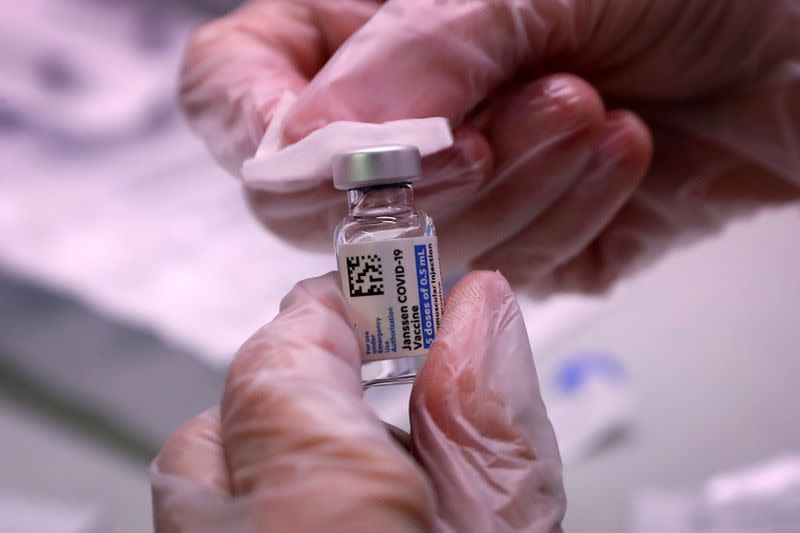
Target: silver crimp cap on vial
379 165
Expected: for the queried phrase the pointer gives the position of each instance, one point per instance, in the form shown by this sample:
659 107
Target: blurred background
130 271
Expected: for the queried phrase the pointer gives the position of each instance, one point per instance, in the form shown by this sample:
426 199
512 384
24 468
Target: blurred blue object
578 368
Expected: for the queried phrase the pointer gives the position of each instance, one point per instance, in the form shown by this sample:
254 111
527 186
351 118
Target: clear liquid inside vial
382 213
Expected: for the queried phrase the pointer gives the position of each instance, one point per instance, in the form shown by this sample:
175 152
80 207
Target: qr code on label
365 275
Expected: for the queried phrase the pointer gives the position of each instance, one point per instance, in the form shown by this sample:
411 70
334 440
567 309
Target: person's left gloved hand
294 447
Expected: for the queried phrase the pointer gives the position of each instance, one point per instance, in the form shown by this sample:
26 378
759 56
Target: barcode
365 275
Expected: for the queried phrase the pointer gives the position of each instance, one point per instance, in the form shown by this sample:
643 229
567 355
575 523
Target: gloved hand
293 446
543 181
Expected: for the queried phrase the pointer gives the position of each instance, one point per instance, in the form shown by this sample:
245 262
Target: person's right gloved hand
293 446
544 181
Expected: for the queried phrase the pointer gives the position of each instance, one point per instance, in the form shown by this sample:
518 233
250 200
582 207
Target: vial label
393 290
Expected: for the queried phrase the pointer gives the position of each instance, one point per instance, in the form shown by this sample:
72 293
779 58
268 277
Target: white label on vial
393 289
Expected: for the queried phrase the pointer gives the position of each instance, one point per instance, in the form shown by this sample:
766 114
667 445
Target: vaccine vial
388 259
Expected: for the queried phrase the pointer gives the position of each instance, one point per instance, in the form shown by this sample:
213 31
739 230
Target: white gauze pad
302 165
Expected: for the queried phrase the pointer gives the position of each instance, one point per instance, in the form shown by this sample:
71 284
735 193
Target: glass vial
388 259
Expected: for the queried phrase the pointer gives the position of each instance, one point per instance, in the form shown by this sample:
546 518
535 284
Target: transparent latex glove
590 135
294 447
